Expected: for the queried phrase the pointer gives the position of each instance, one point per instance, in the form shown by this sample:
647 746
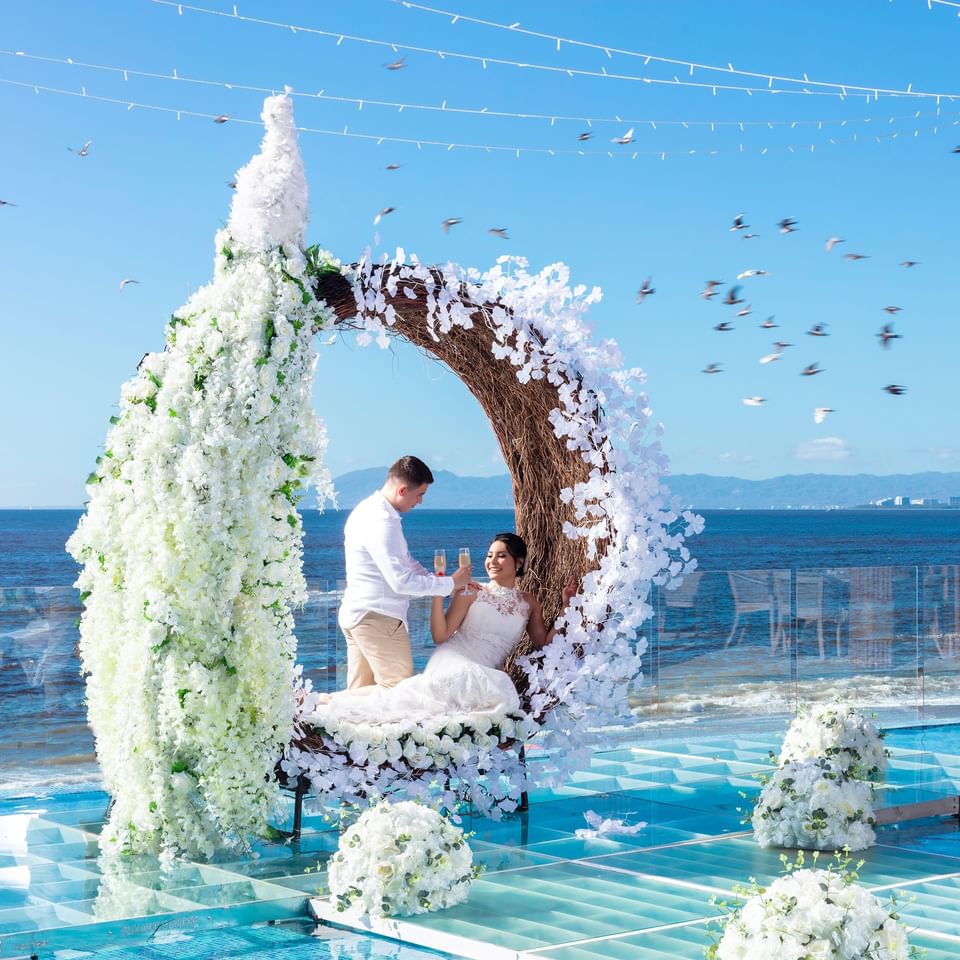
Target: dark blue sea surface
32 541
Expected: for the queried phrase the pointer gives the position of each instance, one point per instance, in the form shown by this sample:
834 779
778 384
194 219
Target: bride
474 636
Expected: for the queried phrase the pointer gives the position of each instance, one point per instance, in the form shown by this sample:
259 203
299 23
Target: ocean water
802 620
32 541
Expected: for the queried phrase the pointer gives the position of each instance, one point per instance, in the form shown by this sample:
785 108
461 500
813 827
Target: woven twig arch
540 464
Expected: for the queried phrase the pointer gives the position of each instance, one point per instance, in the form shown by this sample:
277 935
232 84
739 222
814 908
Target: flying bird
645 290
750 236
909 263
752 273
832 242
232 184
856 256
382 214
738 223
396 64
820 413
6 203
625 139
712 368
780 345
886 334
810 370
83 151
500 232
710 290
585 136
725 326
754 401
392 166
787 225
450 222
895 389
817 330
955 150
768 324
893 310
127 280
770 357
744 311
223 118
330 341
732 298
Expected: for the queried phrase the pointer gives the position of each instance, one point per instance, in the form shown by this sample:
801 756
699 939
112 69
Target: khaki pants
378 653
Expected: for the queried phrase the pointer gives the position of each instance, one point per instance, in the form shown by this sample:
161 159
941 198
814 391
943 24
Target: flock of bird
446 224
712 288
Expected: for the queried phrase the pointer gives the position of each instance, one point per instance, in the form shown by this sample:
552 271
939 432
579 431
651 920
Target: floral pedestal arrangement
811 913
400 859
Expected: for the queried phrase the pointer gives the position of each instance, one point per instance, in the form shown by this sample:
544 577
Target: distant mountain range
453 492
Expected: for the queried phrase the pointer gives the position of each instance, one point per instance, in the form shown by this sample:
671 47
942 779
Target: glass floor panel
545 892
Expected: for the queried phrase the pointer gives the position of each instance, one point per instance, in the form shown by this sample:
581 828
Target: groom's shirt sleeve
388 549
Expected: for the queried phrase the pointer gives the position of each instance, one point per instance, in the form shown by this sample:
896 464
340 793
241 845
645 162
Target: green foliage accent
227 253
114 420
180 766
84 595
94 477
171 412
146 616
181 696
151 404
292 520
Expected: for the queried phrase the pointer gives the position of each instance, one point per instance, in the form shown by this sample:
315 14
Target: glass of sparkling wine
440 562
464 558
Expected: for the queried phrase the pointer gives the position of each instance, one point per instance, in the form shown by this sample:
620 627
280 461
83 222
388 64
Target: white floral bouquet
399 859
811 913
811 804
839 733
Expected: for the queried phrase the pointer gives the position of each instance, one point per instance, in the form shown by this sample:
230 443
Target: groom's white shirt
381 574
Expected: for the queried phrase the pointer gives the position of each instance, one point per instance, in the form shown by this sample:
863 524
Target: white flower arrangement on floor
812 805
842 735
400 859
811 913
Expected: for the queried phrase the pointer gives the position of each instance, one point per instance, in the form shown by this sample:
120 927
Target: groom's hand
461 577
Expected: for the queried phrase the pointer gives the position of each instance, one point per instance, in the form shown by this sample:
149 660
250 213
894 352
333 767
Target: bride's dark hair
515 547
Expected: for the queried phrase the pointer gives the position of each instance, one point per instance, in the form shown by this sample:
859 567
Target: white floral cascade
631 527
822 914
839 733
811 805
400 859
191 543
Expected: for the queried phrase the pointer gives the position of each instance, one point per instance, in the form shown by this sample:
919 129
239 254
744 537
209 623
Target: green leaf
227 253
114 420
153 806
182 695
171 412
93 478
84 595
179 767
292 520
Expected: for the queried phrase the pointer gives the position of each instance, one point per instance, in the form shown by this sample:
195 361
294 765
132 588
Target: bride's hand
569 592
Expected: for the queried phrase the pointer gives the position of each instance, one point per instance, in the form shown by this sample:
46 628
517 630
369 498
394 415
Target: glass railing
735 648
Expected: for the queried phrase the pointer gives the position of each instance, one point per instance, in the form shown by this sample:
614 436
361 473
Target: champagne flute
464 559
440 562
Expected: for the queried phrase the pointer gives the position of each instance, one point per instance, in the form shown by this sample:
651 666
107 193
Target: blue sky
146 201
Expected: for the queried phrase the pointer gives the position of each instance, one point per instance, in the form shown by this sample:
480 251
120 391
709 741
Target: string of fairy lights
445 107
800 85
865 128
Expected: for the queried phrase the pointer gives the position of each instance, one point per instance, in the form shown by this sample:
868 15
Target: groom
382 576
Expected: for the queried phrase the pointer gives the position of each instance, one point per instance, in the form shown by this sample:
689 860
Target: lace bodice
490 630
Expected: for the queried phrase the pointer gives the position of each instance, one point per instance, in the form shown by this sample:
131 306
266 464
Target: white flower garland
810 804
400 859
814 913
579 682
191 543
839 733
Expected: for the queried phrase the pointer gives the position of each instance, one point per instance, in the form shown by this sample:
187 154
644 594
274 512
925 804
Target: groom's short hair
412 471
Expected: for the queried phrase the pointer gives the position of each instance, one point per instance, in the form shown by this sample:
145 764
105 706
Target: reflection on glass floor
545 893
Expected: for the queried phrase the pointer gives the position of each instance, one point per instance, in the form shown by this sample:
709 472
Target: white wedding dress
464 675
